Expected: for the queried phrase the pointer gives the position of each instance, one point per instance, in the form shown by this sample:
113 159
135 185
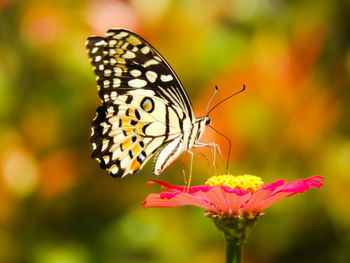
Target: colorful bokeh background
292 122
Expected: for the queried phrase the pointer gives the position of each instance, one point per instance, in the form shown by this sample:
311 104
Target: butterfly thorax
199 127
172 150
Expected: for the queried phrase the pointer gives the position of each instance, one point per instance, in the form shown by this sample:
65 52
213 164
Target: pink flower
231 196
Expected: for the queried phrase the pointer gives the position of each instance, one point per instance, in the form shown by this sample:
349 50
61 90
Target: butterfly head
207 120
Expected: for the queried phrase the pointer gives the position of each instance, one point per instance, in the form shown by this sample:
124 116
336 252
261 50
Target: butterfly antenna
229 146
212 97
226 98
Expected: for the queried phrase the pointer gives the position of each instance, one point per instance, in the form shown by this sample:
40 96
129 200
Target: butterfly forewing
125 61
144 107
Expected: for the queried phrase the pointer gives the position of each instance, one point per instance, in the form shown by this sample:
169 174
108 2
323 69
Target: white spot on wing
151 76
108 72
121 35
125 45
94 50
108 34
106 83
100 43
137 83
104 124
151 62
143 92
145 50
114 169
135 73
110 109
113 61
134 41
104 144
166 78
116 153
106 158
113 95
115 122
129 55
116 83
112 42
118 71
105 129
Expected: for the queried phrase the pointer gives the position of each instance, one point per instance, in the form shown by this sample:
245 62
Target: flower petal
228 200
186 189
237 201
267 196
300 186
181 199
233 190
255 200
272 200
272 186
217 196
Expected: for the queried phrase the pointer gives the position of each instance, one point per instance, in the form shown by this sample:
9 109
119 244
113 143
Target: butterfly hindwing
119 142
127 132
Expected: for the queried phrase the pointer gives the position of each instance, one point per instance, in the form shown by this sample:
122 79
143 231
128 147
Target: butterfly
145 110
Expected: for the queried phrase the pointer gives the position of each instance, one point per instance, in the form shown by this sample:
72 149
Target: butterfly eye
207 120
147 104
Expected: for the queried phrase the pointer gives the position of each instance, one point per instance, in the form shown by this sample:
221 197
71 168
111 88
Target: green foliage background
292 122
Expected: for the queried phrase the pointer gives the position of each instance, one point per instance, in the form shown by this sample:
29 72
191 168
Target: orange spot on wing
135 165
126 144
136 149
125 122
129 131
147 106
140 126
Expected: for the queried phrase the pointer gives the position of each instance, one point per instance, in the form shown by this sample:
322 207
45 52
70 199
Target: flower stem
236 231
234 251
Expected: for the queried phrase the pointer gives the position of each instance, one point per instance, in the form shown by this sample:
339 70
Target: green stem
234 251
236 231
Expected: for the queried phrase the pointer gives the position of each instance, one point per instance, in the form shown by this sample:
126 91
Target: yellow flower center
243 182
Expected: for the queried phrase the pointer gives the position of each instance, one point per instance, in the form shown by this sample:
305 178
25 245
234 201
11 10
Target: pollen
243 182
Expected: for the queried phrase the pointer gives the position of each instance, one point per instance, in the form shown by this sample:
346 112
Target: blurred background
292 122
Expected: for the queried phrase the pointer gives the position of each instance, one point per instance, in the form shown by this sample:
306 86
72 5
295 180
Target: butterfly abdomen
167 155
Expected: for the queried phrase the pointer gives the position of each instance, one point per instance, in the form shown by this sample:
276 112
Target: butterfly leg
183 167
190 177
213 148
203 155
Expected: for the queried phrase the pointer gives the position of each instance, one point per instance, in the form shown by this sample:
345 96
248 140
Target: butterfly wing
125 61
143 103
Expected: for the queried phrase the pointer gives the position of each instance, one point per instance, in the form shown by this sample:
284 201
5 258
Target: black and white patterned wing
143 103
126 61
